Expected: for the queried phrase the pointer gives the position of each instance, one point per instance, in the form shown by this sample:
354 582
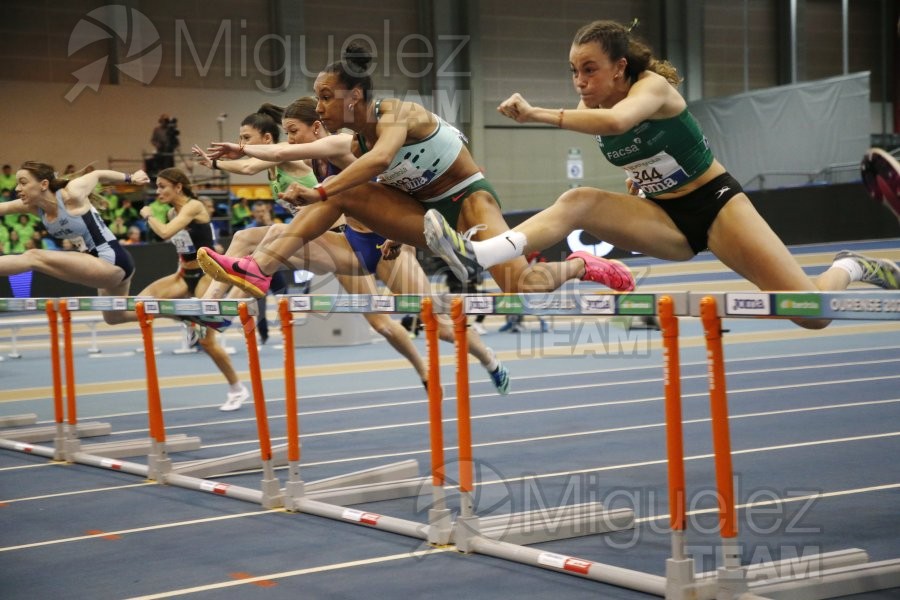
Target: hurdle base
386 482
271 493
159 465
48 433
776 579
832 583
176 443
558 523
17 421
440 526
242 461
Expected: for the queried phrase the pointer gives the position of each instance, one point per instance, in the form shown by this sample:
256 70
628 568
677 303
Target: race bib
183 242
657 174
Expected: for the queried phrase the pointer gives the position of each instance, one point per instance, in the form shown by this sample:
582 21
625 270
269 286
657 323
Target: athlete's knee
579 199
113 317
33 256
208 342
812 323
445 333
385 329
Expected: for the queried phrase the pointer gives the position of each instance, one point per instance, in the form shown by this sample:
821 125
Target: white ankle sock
236 387
492 363
851 266
500 249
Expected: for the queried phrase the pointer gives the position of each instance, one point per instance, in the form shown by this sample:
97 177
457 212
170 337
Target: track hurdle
827 575
66 428
331 497
505 536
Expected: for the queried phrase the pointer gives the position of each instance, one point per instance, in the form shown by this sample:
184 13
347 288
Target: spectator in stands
240 214
7 182
14 244
215 224
10 219
43 240
133 236
160 212
165 140
127 211
25 226
119 228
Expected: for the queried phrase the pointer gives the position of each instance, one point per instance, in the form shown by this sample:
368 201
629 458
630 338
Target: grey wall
271 50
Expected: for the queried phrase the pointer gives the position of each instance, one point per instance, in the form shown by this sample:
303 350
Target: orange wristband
322 193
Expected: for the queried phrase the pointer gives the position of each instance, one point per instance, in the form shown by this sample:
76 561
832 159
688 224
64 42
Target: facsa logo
747 304
598 305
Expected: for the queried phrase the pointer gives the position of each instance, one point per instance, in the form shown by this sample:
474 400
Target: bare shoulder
669 99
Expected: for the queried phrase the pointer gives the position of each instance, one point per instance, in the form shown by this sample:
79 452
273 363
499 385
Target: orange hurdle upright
290 396
435 395
674 432
56 370
463 409
439 517
712 327
248 324
69 362
271 488
158 462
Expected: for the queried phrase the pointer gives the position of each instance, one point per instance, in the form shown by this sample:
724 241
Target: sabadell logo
143 53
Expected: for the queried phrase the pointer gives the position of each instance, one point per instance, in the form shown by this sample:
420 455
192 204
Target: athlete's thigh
170 286
404 274
387 211
480 208
743 240
360 284
245 241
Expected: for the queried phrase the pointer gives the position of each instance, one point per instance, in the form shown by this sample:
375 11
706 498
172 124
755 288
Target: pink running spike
611 273
243 273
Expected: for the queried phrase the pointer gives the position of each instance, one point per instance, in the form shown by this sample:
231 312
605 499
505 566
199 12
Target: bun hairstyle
266 120
618 42
303 109
354 68
177 176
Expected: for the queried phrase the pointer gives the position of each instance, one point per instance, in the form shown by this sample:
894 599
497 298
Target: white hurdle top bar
863 305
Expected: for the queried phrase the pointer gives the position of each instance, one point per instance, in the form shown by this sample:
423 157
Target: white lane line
646 463
596 372
585 433
112 488
121 532
780 501
545 390
307 571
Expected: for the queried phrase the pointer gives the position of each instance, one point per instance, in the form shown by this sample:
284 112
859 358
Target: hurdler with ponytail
679 199
65 209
